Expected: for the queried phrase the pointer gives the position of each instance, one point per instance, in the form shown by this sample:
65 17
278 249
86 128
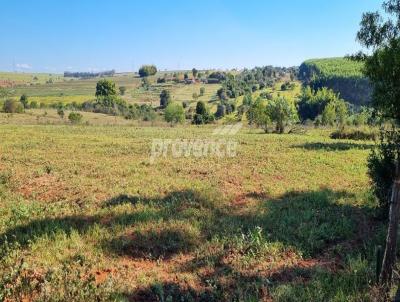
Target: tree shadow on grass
223 241
337 146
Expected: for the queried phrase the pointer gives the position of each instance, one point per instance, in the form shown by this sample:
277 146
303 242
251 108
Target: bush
13 106
355 134
33 105
147 70
75 117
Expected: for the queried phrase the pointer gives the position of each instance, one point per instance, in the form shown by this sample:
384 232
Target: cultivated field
290 218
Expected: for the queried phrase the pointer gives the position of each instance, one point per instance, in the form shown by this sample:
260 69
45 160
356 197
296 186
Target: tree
165 98
75 117
24 100
174 113
122 90
13 106
147 70
202 115
195 72
105 88
382 37
282 112
185 76
257 115
329 115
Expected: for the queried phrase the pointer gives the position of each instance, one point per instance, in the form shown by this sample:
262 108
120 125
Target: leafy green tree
147 70
174 113
312 103
329 115
257 115
381 35
105 88
13 106
282 112
165 98
75 117
24 101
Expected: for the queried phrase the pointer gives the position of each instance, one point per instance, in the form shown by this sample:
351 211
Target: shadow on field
338 146
237 255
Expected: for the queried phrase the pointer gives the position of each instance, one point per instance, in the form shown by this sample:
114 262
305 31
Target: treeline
87 75
342 75
251 80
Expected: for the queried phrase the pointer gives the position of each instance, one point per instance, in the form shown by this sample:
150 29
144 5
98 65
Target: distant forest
86 75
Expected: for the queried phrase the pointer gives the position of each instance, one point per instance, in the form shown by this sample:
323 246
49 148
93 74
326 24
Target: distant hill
340 74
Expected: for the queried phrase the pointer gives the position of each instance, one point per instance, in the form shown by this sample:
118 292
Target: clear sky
90 35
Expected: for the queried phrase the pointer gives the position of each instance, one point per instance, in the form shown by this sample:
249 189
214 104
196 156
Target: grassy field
85 214
68 90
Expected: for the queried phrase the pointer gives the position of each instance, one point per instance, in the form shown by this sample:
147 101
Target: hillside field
290 218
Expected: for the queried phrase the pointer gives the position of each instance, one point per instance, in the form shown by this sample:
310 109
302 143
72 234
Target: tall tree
105 88
380 33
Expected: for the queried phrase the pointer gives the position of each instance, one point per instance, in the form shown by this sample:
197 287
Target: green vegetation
87 211
342 75
174 113
75 117
147 70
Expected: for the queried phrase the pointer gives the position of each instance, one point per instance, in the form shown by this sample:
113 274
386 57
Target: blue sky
77 35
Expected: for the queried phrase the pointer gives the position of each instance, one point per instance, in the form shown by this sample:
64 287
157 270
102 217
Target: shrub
60 112
75 117
33 105
355 134
13 106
